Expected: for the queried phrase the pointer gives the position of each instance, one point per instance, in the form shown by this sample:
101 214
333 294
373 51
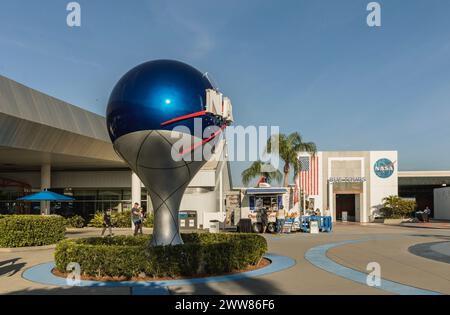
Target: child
107 222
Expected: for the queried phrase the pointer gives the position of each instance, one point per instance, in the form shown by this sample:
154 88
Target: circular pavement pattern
43 274
318 257
438 251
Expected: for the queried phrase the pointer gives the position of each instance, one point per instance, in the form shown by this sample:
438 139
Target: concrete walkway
389 248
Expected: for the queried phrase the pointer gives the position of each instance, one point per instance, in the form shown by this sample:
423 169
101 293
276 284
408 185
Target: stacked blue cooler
325 223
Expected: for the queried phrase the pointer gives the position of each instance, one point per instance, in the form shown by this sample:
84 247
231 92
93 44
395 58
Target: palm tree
261 169
391 201
288 149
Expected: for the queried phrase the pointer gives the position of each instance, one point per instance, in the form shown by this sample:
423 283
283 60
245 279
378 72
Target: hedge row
127 257
31 230
75 221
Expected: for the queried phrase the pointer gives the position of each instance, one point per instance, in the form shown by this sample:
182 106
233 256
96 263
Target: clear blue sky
309 66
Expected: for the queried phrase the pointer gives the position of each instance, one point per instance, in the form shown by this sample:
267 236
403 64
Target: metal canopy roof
266 190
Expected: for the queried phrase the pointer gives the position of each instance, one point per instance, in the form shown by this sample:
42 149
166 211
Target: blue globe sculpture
160 115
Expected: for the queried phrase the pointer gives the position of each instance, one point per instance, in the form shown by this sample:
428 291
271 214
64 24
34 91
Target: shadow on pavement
73 291
10 267
250 286
246 286
442 237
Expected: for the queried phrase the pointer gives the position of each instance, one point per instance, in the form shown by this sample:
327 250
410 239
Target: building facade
355 183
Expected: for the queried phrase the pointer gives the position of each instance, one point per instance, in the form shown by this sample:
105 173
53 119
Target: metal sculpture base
165 178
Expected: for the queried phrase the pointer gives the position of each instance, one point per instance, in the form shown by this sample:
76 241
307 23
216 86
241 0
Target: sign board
333 180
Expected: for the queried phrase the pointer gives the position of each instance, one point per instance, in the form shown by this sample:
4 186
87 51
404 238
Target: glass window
126 194
110 195
85 194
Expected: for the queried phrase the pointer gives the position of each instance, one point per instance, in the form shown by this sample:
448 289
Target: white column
45 184
135 191
331 201
363 212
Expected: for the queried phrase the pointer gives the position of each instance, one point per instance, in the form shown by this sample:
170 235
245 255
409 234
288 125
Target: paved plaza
412 260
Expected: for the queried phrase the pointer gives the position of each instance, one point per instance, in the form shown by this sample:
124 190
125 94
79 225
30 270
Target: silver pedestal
149 155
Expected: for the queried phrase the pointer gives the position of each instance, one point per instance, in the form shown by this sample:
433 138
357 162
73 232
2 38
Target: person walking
136 218
281 218
107 222
264 219
143 216
426 214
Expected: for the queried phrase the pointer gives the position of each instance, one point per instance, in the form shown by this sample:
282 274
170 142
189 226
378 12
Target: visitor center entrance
346 203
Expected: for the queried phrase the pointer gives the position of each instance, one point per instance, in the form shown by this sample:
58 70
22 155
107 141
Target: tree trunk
286 175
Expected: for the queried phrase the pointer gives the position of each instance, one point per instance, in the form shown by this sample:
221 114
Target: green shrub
395 207
148 222
97 220
75 221
118 219
126 256
31 230
121 219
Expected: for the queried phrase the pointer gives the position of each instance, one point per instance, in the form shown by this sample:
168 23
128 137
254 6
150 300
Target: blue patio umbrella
46 196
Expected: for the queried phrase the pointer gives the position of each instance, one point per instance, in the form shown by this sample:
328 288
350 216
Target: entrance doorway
346 203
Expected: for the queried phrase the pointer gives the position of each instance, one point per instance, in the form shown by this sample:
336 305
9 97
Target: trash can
214 226
245 226
344 216
187 220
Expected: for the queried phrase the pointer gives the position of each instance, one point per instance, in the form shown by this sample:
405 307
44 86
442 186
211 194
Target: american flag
309 175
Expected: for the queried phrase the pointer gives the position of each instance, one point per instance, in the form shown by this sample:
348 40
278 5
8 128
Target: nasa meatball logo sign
384 168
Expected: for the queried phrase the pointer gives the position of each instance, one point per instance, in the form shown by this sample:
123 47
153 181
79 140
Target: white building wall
319 202
200 202
204 178
92 179
382 187
442 203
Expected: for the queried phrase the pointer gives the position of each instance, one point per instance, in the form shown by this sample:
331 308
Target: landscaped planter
128 257
377 220
394 221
